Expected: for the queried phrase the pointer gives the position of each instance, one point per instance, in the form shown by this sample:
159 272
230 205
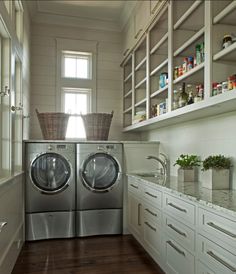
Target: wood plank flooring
93 255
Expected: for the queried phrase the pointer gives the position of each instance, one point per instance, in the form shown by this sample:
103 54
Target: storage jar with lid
227 41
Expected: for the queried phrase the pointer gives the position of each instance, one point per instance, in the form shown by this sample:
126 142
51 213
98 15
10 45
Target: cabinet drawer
202 269
217 226
152 213
178 259
179 209
152 236
133 186
180 232
152 195
220 260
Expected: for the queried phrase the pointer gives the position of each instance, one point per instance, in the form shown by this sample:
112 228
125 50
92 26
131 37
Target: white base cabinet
182 236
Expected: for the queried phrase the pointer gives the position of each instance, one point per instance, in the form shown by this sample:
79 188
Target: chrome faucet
163 163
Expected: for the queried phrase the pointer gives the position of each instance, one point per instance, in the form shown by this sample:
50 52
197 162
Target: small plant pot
187 175
216 179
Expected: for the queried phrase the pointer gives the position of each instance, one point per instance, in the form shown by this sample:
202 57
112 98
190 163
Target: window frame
78 46
77 54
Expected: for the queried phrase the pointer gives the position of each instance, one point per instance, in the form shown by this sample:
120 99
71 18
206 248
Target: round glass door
50 172
99 172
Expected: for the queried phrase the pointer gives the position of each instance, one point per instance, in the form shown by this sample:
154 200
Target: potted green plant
187 171
216 172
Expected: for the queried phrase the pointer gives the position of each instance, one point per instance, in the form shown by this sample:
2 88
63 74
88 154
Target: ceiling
101 10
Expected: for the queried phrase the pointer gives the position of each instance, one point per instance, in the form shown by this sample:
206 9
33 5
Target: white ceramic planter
187 175
216 179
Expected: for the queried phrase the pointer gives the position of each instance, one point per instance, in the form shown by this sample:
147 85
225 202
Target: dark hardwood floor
94 255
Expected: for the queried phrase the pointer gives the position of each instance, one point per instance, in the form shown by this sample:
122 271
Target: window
76 102
76 82
77 65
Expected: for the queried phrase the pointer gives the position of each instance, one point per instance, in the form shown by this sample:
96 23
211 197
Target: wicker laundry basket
97 125
53 124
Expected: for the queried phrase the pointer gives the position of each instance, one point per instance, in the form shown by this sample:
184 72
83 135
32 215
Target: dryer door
100 171
50 172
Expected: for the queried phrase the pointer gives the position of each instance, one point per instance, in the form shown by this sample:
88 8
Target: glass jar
183 96
219 88
227 41
224 87
214 88
175 99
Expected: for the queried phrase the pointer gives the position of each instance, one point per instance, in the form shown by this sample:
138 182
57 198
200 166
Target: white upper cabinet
142 15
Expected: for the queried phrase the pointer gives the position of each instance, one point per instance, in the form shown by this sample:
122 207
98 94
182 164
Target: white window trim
61 82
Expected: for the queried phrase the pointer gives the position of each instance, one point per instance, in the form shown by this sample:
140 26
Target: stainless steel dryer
50 190
99 189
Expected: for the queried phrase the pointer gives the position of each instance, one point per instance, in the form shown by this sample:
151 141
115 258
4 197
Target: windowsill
6 182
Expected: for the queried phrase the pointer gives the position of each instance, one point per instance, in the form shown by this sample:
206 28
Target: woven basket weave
53 124
97 125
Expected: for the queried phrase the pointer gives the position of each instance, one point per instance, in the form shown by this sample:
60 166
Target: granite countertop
221 200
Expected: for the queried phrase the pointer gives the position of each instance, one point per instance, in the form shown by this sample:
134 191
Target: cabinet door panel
178 259
202 269
179 209
218 227
152 236
134 215
216 257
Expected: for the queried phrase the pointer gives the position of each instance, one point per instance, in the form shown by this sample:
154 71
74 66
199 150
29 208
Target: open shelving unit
172 36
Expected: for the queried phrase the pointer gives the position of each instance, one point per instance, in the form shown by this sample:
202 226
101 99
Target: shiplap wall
43 72
203 137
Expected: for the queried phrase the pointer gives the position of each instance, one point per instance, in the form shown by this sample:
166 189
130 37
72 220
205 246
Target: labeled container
214 88
224 86
190 63
163 79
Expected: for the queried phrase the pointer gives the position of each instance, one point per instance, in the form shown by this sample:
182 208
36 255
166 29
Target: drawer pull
221 229
152 213
152 228
2 224
139 212
218 259
149 194
176 248
136 36
178 208
134 186
177 230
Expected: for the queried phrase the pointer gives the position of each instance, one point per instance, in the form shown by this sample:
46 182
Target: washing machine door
100 172
50 173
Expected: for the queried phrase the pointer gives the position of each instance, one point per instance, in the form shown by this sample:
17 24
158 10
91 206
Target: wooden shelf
140 103
227 54
225 12
189 73
128 77
128 110
222 103
142 82
187 14
159 91
141 64
159 67
157 46
196 36
128 94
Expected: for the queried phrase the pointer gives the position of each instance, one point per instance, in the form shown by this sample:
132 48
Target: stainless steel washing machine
50 190
99 189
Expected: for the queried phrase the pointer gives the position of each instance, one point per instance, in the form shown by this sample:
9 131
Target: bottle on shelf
183 97
190 92
175 99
